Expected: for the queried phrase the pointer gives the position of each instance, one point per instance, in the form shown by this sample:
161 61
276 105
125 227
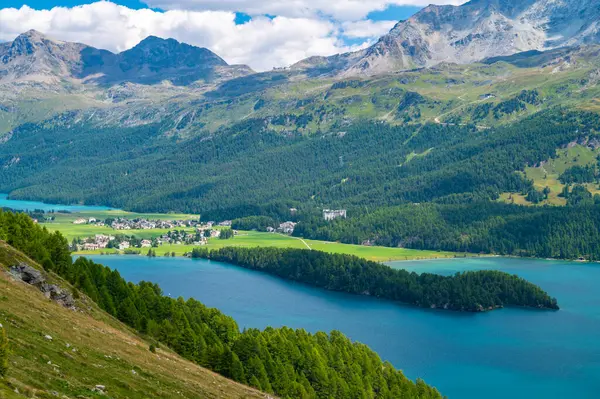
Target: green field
64 224
258 239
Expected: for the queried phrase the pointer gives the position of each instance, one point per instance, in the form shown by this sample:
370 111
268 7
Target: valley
64 223
413 213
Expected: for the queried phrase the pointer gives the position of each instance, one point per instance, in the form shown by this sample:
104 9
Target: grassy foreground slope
89 348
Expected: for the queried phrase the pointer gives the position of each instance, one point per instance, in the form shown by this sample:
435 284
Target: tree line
258 223
468 291
288 363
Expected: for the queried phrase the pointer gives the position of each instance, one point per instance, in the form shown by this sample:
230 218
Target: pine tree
237 369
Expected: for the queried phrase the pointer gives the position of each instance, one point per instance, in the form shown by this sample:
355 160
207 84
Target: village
123 242
138 223
179 232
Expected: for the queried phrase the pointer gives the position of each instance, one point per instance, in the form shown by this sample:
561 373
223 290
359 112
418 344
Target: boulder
99 388
35 277
27 274
54 292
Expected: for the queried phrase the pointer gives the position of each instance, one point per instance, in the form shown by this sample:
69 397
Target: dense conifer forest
468 291
249 169
289 363
483 227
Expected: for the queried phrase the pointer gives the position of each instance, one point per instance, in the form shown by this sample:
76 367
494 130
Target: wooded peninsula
469 291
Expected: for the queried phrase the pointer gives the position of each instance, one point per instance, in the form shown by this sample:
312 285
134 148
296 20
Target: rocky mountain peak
28 43
33 34
474 31
157 53
39 57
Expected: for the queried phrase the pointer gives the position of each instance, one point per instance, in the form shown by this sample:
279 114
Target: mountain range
463 34
35 57
471 32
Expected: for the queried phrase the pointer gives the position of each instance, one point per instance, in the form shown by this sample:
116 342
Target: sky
260 33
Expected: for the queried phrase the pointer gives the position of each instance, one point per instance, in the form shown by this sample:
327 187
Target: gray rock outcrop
32 276
27 274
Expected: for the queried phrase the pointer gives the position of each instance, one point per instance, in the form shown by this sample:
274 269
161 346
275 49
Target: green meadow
547 174
88 347
64 224
258 239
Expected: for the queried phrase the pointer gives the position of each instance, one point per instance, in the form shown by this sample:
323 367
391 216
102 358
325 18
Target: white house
329 214
124 245
287 227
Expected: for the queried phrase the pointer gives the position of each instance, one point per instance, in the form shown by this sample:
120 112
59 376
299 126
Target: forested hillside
481 227
249 169
374 170
289 363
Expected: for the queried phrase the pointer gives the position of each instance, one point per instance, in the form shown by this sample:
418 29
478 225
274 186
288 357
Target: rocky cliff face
35 57
474 31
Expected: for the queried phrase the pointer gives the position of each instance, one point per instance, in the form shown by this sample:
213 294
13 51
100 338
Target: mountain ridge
469 33
33 56
472 32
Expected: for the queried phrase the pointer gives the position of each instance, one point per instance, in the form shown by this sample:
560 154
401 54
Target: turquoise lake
33 205
508 353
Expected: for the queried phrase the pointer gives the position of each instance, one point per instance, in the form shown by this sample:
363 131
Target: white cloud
301 28
343 10
366 28
262 43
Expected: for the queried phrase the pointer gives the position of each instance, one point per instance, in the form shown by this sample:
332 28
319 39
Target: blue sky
260 33
395 13
391 13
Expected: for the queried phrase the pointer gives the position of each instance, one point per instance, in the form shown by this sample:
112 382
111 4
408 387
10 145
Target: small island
476 291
